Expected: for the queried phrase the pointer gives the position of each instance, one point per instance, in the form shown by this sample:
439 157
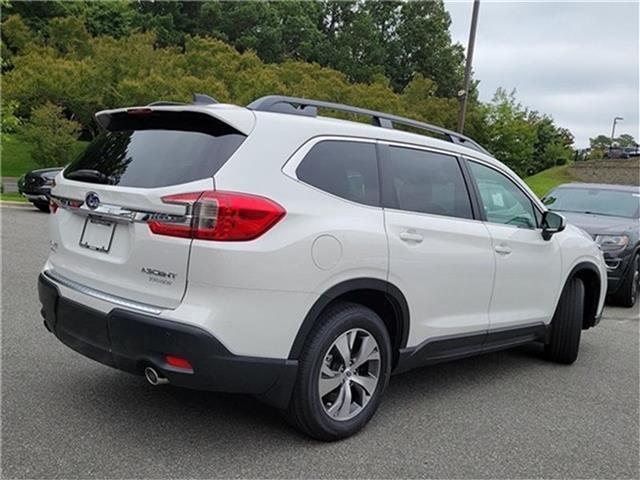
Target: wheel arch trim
592 314
398 300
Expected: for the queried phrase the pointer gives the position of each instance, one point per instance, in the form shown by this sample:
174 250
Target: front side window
503 201
346 169
428 182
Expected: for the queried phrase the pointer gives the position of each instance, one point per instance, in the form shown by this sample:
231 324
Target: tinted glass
429 182
346 169
503 201
161 150
595 200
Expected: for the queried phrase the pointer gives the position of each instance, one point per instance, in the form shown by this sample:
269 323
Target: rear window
156 150
346 169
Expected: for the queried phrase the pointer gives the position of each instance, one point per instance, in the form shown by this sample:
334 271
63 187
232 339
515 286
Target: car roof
337 126
243 119
246 120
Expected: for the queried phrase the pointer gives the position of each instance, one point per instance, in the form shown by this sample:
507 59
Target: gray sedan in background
611 215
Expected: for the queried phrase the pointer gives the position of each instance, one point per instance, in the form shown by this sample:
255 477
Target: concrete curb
11 203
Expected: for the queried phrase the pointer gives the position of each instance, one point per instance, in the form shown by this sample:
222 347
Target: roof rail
309 108
198 99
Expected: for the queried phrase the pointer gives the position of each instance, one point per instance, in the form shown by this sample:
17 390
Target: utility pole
467 71
613 129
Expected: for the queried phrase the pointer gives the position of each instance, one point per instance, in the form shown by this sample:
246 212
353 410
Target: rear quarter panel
261 290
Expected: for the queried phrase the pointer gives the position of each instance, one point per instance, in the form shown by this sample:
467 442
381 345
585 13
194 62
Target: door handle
502 249
410 236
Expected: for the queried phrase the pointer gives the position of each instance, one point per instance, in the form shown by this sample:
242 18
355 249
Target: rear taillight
218 215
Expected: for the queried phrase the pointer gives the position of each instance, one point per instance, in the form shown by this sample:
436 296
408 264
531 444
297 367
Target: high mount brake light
139 111
218 215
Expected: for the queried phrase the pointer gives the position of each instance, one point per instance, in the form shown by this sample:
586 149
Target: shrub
10 122
51 134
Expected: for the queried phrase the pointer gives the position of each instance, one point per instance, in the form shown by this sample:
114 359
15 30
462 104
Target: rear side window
428 182
346 169
156 150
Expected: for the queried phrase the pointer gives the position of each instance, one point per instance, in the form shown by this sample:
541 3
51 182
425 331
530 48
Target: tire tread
566 326
298 413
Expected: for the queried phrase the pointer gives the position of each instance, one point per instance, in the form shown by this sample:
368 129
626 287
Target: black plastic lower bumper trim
130 341
453 347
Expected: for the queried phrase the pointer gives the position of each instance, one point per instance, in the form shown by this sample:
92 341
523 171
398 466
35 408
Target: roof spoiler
239 118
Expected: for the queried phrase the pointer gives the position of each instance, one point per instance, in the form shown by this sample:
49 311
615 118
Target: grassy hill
544 181
16 155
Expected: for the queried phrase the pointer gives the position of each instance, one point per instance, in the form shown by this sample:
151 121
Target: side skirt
442 349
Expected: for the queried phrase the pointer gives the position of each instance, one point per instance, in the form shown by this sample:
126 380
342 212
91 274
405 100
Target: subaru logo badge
92 200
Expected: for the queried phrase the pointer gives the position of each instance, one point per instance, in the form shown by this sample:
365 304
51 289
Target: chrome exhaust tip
153 377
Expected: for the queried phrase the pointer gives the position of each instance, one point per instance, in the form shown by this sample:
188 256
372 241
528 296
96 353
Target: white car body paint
253 296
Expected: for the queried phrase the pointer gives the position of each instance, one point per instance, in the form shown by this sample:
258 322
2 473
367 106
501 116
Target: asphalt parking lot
503 415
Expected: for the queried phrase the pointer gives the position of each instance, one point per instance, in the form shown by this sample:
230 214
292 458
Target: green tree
10 122
70 54
426 47
69 36
51 134
112 18
552 146
626 140
17 35
511 135
358 51
601 142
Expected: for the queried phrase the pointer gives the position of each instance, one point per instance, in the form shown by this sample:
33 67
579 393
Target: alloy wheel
350 374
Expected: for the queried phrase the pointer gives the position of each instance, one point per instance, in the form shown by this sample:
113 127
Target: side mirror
552 223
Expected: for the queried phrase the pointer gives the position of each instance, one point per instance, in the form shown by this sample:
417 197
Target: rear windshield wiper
88 175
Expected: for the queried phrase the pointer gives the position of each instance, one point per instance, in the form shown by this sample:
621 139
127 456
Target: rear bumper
130 341
36 194
36 198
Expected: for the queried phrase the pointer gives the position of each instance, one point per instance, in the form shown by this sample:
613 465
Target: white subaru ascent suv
303 259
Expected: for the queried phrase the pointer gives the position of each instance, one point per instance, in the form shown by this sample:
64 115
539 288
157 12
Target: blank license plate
97 234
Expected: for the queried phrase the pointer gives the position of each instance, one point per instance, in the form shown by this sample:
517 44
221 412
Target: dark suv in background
611 215
36 186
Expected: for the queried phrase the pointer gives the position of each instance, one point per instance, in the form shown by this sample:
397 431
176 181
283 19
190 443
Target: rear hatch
107 198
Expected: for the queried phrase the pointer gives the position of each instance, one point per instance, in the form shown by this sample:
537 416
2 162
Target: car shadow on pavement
166 411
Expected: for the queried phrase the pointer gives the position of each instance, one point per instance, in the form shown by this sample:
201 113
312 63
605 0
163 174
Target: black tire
627 294
42 206
307 410
566 326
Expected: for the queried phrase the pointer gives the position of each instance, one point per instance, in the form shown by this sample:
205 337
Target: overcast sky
577 61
